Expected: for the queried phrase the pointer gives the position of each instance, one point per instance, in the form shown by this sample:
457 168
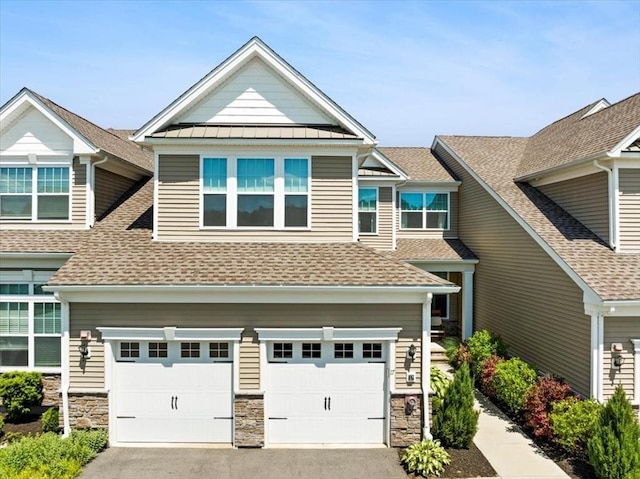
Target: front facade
250 269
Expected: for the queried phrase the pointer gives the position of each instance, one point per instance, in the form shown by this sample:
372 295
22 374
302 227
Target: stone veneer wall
51 390
405 428
249 420
87 410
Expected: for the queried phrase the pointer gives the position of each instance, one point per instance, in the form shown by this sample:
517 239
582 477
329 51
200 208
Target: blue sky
406 70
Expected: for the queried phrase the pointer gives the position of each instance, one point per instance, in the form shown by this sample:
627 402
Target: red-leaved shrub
487 374
539 402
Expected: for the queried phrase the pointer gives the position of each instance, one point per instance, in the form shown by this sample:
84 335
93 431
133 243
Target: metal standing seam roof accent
612 276
258 132
419 163
106 140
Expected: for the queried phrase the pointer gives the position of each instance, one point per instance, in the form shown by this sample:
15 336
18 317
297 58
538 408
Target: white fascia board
601 105
224 142
254 48
250 294
588 292
33 260
624 143
328 334
434 186
81 145
383 180
384 160
564 174
449 266
170 334
617 308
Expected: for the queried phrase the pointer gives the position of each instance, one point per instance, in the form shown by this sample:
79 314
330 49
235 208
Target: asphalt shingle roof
495 160
432 249
419 163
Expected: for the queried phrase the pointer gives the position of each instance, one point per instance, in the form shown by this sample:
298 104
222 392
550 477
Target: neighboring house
249 293
555 222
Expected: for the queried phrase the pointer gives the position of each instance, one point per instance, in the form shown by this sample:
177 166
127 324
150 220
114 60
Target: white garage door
173 392
337 397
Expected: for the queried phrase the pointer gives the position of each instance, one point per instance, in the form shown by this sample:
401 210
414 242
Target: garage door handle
329 404
220 417
125 417
374 418
278 418
172 402
176 402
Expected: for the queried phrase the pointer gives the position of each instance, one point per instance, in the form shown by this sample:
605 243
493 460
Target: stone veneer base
88 410
249 420
405 428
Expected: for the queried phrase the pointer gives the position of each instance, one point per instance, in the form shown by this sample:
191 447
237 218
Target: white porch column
636 371
467 304
64 379
597 354
425 367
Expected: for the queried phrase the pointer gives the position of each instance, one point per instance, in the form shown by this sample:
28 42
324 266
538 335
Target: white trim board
328 334
170 334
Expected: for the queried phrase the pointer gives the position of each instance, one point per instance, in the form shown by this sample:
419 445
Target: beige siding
629 184
586 199
179 203
108 188
384 237
452 232
520 292
78 193
620 330
86 316
34 133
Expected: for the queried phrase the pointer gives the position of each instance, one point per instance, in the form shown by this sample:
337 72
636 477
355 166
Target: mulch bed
464 463
30 424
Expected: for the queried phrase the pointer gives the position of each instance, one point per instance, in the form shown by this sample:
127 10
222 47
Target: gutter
612 194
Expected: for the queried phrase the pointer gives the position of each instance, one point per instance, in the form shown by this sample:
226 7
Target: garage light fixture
411 352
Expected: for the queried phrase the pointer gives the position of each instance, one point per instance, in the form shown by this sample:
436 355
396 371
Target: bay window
255 192
367 210
30 327
34 193
424 211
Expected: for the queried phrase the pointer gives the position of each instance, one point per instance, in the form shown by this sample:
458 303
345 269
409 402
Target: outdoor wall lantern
618 361
411 352
83 349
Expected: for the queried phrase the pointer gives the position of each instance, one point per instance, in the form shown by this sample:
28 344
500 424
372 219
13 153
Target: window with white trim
34 193
282 350
424 211
343 350
244 192
218 350
372 350
189 350
311 350
368 210
30 327
440 302
129 349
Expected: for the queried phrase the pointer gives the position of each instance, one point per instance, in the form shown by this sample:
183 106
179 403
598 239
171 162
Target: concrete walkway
511 453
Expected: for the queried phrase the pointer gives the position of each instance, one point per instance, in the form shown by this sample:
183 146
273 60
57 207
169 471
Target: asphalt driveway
187 463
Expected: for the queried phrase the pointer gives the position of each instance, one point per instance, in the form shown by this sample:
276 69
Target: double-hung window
30 327
34 193
242 192
368 210
424 211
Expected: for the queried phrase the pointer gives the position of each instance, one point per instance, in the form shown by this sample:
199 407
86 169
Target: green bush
614 448
456 422
482 345
573 422
450 345
19 391
512 380
49 455
439 384
50 420
427 458
1 424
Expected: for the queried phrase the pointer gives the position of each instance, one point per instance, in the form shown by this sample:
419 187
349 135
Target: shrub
487 374
512 380
456 422
573 422
439 384
539 400
481 346
19 391
450 345
614 448
50 420
1 424
427 458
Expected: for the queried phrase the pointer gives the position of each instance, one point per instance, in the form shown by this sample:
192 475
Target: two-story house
555 221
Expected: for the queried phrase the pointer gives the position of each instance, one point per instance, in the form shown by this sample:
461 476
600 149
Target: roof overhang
253 142
623 307
26 260
386 162
11 110
247 294
252 49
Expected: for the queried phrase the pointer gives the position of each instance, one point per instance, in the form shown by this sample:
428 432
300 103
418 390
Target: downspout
613 239
92 185
65 380
425 366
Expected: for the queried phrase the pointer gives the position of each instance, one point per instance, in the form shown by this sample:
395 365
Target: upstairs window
34 193
368 210
258 193
424 211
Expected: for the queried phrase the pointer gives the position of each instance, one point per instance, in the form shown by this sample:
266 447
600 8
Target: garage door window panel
129 350
282 350
158 350
372 350
343 351
219 350
311 350
189 350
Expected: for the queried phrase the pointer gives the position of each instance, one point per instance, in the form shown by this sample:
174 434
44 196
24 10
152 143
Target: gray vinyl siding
452 232
586 199
520 292
85 316
384 237
620 330
331 203
108 188
79 193
629 202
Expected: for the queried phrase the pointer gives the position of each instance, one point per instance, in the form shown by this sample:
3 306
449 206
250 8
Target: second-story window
34 193
368 210
424 211
255 192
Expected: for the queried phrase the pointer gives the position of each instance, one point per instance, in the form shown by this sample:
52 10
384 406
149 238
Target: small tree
614 449
456 422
